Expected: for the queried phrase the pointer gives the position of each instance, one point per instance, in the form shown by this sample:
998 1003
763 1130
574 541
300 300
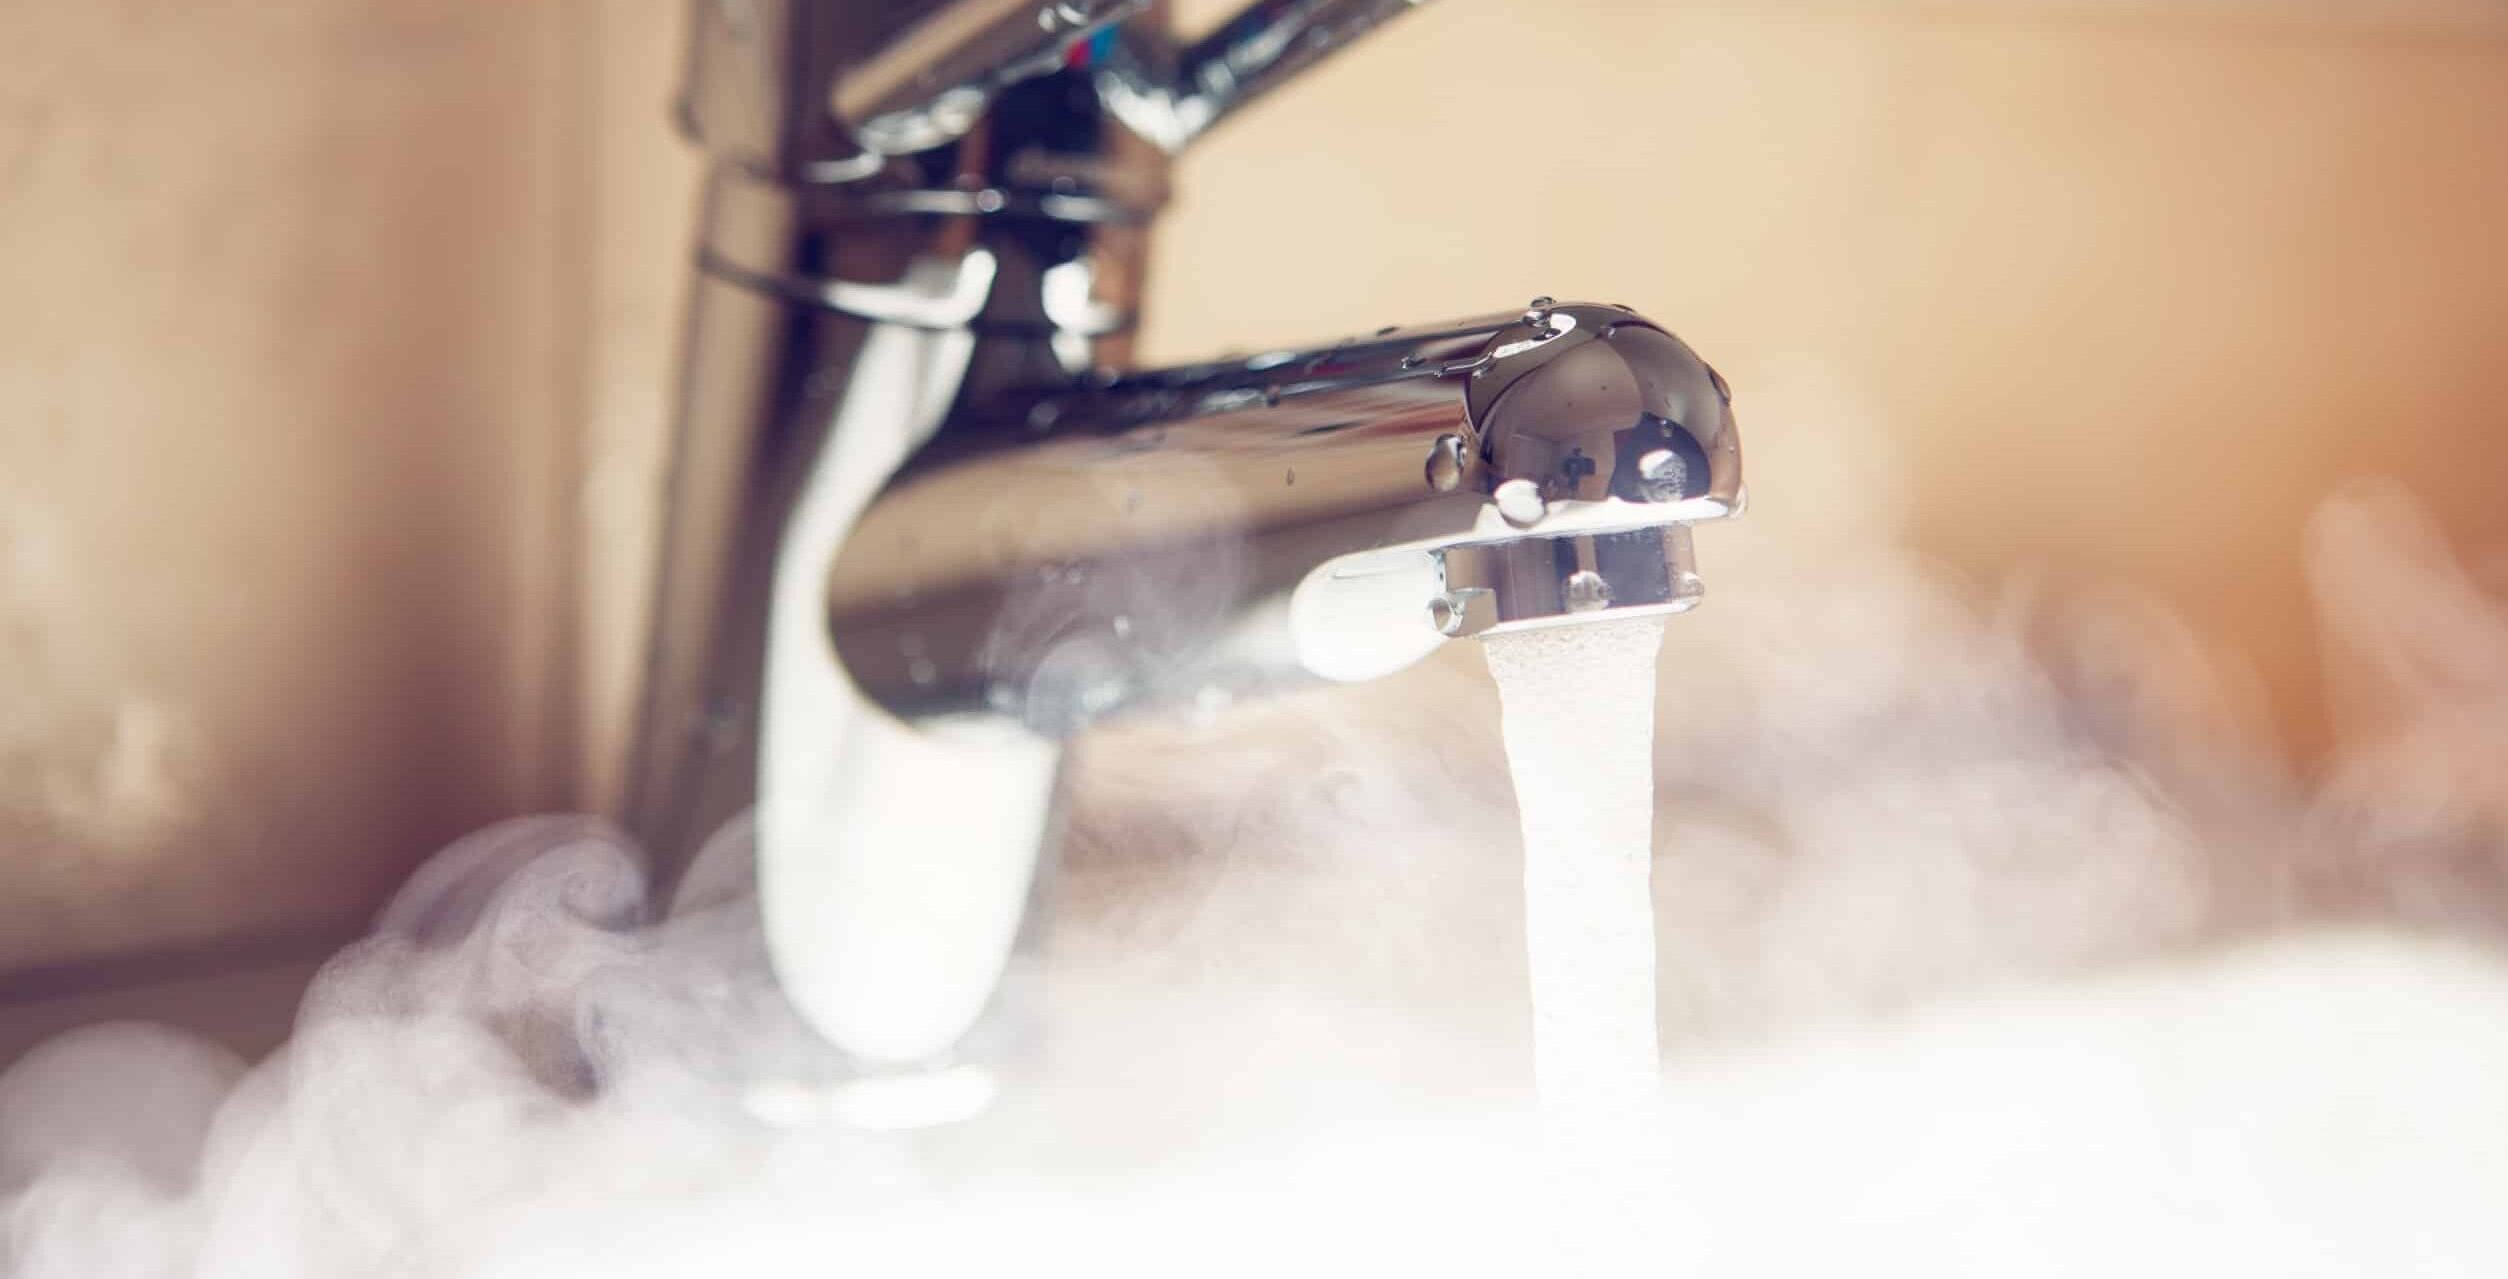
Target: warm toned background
332 381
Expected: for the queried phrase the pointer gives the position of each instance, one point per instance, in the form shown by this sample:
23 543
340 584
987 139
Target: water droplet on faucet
1585 591
1520 502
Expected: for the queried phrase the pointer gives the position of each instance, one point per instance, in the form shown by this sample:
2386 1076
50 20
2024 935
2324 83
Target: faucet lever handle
827 91
814 91
929 85
1174 95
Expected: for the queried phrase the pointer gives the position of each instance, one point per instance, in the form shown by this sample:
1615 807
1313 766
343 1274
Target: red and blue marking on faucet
1088 52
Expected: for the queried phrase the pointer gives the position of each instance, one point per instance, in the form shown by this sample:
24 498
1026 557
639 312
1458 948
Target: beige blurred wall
282 479
332 405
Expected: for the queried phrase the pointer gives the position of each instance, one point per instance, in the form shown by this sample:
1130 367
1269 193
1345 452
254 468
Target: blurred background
333 391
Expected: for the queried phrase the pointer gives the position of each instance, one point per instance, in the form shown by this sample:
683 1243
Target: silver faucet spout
923 528
1335 512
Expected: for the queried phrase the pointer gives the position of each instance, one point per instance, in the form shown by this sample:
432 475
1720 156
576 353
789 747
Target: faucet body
921 530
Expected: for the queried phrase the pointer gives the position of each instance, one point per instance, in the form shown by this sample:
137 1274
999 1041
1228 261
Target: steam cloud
1985 947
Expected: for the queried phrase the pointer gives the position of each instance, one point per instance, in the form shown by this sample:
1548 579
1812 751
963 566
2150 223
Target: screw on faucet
1585 591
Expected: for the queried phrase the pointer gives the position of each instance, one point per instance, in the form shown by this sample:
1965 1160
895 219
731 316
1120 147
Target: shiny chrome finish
1063 556
930 85
825 92
816 91
1009 258
919 535
1172 95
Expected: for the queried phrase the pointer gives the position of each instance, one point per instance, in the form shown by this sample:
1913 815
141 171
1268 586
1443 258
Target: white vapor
1985 949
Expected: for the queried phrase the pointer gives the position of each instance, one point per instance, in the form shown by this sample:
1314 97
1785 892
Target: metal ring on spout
960 308
986 202
1539 581
881 303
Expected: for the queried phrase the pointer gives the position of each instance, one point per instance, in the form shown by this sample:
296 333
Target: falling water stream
1577 707
1577 710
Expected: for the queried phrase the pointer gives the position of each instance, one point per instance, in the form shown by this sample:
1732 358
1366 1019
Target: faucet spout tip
1496 587
1602 438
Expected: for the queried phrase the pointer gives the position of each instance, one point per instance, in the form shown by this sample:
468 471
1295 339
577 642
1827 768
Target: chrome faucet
925 524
